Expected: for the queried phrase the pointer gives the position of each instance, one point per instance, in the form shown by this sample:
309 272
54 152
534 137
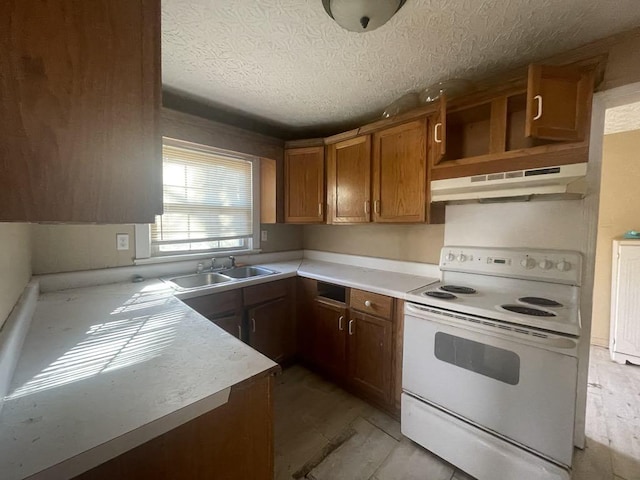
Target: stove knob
564 266
450 257
528 263
545 264
462 258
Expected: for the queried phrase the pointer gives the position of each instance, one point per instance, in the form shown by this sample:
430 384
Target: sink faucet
199 268
213 264
233 261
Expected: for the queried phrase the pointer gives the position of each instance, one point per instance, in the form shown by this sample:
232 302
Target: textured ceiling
287 62
622 119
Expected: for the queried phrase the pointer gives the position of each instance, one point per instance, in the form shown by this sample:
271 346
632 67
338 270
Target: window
208 202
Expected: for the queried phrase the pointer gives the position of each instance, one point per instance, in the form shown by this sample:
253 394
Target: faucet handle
233 261
213 263
199 268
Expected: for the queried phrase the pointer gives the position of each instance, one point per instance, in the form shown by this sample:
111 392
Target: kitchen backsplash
69 248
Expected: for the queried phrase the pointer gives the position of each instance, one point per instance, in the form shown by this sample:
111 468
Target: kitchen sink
246 272
198 280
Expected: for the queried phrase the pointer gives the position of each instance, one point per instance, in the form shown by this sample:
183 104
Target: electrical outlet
122 241
264 237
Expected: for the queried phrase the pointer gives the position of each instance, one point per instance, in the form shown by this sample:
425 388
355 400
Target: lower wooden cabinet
271 330
261 315
329 349
231 442
371 355
355 349
231 324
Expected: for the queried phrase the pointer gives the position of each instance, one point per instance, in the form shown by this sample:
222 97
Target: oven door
521 391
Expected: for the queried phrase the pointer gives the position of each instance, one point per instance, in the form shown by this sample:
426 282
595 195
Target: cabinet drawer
265 292
211 306
371 303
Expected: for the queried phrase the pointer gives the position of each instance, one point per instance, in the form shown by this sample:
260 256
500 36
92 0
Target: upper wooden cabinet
304 194
400 173
80 98
349 180
543 123
558 103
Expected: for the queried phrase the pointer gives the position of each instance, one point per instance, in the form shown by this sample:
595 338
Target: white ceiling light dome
362 15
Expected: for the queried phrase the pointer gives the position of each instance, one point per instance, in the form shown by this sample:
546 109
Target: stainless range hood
566 181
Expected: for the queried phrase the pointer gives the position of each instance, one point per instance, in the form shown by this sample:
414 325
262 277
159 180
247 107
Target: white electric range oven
490 362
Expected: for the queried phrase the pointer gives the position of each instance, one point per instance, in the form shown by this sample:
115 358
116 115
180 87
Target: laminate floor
324 433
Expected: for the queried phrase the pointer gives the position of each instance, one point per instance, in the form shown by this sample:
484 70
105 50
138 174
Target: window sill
192 256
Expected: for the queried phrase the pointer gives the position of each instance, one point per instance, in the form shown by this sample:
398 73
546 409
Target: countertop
107 368
377 281
104 369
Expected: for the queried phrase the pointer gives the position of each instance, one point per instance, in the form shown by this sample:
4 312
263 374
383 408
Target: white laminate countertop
392 284
106 368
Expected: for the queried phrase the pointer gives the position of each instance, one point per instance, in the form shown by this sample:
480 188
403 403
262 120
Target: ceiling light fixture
361 15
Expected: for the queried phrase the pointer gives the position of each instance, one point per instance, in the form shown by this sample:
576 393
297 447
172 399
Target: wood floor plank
409 461
359 457
620 393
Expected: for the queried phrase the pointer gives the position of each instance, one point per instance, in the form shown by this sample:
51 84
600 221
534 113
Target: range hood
566 181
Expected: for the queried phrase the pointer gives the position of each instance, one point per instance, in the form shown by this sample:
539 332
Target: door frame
602 101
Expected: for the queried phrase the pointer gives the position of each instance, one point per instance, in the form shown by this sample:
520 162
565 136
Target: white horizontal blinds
207 198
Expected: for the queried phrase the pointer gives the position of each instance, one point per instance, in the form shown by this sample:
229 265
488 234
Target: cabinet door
304 185
371 355
231 324
217 305
271 329
349 180
439 134
80 104
330 348
400 173
558 103
306 291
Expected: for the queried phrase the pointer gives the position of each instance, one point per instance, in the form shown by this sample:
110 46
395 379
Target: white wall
556 224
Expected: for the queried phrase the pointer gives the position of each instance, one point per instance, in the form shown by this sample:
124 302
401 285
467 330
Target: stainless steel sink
198 280
246 272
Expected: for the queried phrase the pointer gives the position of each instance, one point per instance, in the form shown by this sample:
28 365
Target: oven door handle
553 341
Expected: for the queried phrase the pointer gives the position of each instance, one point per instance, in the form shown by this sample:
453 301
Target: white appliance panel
625 302
473 450
522 392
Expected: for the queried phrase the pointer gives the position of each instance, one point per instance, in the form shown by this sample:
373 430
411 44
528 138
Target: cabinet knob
367 303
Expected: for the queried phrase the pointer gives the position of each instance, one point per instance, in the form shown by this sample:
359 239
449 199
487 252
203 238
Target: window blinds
207 197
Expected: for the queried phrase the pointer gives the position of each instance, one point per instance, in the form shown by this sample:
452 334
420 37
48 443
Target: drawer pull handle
340 320
350 327
253 325
320 209
367 303
376 206
366 207
538 98
240 332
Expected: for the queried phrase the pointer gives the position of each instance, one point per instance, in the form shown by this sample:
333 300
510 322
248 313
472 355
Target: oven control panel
561 266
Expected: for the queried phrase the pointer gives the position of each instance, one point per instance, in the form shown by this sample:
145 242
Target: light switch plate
264 236
122 241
